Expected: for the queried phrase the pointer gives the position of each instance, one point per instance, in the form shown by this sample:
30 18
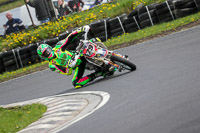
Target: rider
63 61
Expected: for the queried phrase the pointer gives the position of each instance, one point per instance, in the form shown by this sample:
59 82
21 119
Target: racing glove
85 29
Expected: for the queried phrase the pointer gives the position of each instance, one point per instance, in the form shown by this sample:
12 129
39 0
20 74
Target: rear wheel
125 64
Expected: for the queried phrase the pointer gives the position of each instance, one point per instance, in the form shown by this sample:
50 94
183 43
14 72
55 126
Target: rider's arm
72 36
60 69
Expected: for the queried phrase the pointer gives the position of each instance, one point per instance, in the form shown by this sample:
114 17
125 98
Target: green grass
23 71
12 5
14 119
153 30
3 1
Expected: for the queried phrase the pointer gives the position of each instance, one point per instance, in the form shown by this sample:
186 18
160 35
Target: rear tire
128 65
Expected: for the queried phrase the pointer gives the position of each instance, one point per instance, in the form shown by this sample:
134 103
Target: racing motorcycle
98 57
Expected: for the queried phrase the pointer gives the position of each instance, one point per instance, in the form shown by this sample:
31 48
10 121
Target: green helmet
45 52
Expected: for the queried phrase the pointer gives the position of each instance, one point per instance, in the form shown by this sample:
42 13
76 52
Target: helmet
45 52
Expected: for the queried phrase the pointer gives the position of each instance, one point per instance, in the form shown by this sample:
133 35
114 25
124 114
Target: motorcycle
98 57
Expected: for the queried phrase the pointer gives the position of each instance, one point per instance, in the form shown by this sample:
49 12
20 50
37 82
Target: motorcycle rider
63 61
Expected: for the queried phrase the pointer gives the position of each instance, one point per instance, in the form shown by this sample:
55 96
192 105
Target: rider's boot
77 86
87 79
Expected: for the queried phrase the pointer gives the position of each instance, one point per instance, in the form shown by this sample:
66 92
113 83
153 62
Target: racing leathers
65 60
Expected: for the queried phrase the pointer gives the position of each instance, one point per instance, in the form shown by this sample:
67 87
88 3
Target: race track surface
161 96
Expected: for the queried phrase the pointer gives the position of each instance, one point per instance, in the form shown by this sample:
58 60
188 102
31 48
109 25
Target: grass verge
12 5
16 118
160 29
23 71
122 41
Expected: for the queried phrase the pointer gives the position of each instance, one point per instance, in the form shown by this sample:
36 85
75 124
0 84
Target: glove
86 28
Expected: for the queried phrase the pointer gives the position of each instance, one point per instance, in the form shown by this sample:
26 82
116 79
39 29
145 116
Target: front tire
124 63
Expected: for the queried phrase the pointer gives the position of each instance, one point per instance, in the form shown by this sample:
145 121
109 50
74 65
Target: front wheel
125 64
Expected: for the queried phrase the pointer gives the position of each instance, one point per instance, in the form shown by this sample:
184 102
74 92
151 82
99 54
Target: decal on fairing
89 50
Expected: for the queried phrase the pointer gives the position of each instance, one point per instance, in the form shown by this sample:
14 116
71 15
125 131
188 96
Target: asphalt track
161 96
